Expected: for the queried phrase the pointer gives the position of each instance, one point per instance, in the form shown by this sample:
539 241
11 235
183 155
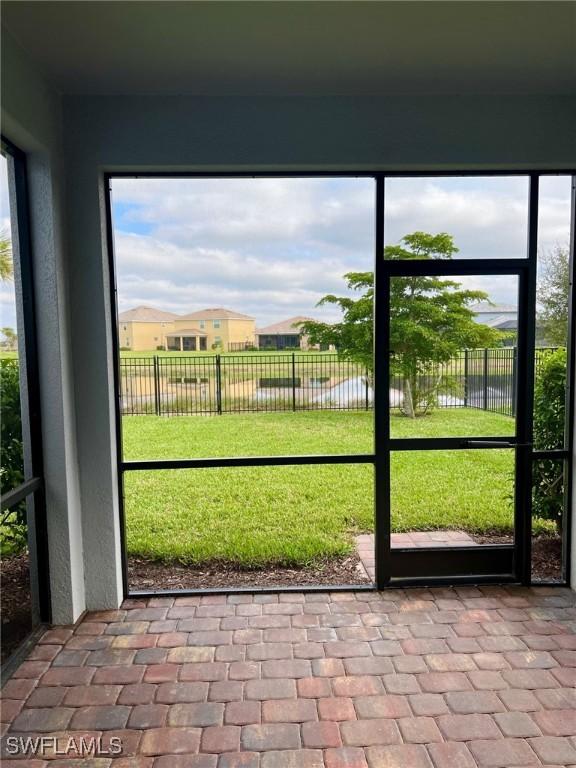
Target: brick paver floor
427 678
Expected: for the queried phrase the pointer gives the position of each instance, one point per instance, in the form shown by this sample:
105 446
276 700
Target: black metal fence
213 384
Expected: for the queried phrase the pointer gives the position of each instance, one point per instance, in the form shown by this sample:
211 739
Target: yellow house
212 329
144 328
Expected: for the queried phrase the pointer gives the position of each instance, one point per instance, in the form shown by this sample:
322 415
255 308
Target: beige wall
142 337
242 330
230 331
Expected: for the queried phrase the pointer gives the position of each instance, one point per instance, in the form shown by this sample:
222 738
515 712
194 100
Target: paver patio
421 678
413 539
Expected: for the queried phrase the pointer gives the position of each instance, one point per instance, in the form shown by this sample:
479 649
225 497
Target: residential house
502 317
286 334
144 328
213 329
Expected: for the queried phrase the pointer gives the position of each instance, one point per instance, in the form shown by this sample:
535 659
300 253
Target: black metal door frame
486 564
489 562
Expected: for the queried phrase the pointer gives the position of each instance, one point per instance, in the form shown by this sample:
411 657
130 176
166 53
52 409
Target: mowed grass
295 515
287 433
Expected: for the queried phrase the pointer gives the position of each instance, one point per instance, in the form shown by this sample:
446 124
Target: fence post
293 381
367 388
465 378
485 379
514 378
156 386
218 385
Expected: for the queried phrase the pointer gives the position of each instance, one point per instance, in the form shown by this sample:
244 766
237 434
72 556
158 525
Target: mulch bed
15 602
151 575
547 558
546 555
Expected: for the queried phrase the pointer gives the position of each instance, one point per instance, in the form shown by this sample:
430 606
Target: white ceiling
303 48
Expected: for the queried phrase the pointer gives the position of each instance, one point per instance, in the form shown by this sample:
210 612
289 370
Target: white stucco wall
122 133
178 133
31 119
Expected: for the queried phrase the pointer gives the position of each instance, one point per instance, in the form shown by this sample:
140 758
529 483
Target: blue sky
273 247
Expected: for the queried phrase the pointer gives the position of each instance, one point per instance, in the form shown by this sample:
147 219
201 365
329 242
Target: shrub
13 522
549 420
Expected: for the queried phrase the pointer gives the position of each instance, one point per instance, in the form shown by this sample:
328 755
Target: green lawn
294 515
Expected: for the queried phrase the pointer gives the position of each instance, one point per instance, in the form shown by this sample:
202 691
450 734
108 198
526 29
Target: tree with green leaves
430 321
10 339
553 292
6 263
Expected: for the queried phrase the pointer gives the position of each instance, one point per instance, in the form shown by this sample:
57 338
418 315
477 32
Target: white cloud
185 279
487 217
259 211
274 247
268 247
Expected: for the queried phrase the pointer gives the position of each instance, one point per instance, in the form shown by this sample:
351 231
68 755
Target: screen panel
453 355
222 287
248 526
460 498
482 217
549 513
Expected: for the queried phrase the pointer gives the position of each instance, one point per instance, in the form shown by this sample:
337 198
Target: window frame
379 458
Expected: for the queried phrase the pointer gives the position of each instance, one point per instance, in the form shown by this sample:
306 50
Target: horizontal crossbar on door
247 461
448 267
451 443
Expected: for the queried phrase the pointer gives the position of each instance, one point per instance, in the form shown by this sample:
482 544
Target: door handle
493 444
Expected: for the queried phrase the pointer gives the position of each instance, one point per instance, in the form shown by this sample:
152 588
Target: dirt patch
546 555
150 575
15 602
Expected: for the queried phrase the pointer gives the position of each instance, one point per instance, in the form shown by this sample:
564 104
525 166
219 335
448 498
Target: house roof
215 313
185 332
505 324
289 326
502 323
143 314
